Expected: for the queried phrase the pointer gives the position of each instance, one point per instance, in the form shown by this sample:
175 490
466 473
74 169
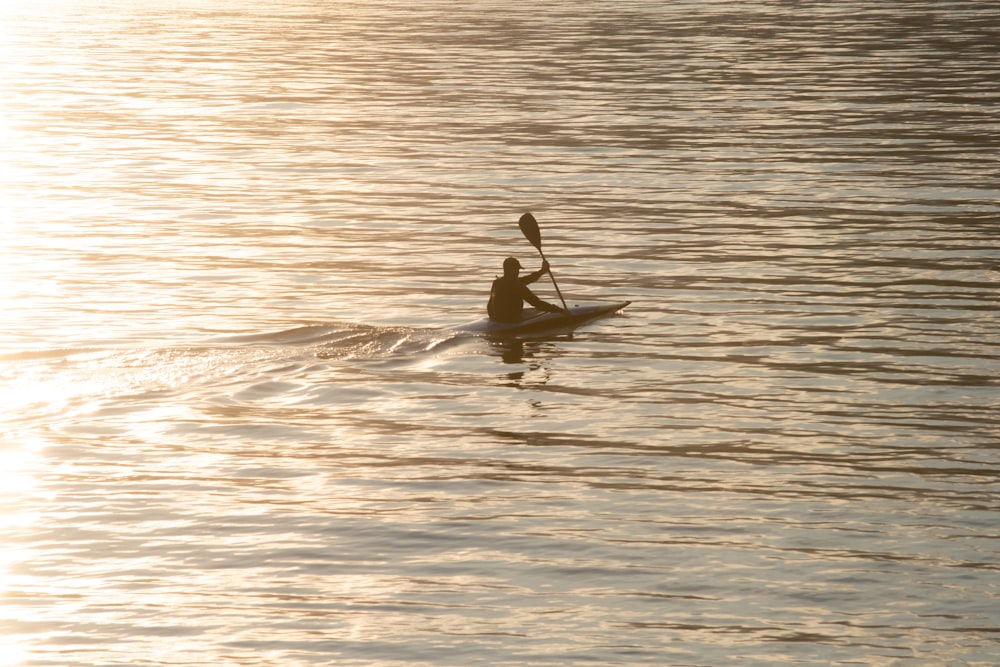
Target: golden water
237 431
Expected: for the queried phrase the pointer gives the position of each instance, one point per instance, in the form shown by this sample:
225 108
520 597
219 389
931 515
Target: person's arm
532 277
530 297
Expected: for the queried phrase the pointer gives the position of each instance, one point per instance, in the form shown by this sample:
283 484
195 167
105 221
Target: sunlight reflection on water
237 430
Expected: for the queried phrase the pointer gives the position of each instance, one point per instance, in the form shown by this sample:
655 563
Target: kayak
535 320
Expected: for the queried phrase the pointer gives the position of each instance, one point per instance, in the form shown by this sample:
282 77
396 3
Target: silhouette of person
510 291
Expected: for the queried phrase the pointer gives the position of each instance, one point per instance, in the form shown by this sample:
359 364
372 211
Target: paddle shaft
529 227
554 284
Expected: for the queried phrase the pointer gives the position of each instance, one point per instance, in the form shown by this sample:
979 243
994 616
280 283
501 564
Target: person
510 291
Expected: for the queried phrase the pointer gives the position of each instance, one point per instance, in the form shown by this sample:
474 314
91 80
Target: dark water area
239 427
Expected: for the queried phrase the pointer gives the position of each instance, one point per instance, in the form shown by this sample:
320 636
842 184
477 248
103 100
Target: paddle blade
529 227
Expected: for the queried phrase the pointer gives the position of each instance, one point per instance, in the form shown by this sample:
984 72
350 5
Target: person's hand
552 308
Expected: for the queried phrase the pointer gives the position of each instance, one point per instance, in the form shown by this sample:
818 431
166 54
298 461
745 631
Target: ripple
234 417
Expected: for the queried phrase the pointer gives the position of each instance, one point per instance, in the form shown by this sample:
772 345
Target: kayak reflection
520 350
529 358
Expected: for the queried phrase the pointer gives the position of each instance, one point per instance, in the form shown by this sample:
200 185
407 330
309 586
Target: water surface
237 429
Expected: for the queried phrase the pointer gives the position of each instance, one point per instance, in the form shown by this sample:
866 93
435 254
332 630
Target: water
236 427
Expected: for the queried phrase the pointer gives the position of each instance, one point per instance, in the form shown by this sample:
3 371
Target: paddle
529 227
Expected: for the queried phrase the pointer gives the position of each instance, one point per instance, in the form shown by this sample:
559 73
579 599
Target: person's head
511 267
